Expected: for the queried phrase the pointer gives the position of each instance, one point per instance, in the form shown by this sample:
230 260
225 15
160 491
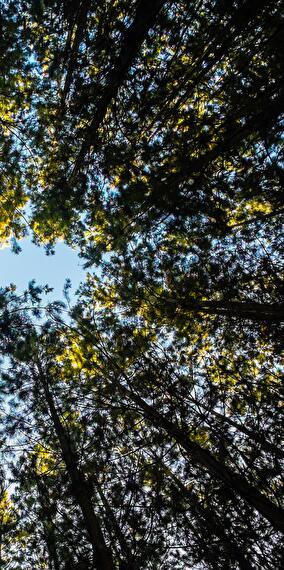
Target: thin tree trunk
113 524
102 554
135 34
204 458
241 309
80 25
264 112
253 436
246 310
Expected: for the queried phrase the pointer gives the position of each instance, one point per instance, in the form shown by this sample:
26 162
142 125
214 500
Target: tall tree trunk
204 458
134 36
241 309
81 491
254 437
80 24
114 526
244 310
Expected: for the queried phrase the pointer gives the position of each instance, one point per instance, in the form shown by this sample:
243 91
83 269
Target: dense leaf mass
141 425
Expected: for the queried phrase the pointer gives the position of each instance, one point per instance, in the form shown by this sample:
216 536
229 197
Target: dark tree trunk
256 438
135 34
80 25
241 309
114 527
204 458
81 491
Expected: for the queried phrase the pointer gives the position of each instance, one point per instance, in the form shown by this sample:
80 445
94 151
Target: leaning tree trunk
135 34
254 437
102 554
114 527
204 458
248 310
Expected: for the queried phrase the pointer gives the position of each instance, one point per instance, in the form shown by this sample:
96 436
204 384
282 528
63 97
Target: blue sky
33 263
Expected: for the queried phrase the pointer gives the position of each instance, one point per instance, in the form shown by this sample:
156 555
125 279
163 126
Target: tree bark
204 458
254 437
241 309
114 526
134 36
102 554
80 25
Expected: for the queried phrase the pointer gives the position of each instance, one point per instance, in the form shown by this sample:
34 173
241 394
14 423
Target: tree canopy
141 424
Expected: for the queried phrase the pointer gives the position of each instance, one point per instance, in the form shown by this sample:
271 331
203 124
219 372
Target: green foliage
141 428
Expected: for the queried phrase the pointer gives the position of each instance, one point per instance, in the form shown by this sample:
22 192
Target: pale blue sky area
33 263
